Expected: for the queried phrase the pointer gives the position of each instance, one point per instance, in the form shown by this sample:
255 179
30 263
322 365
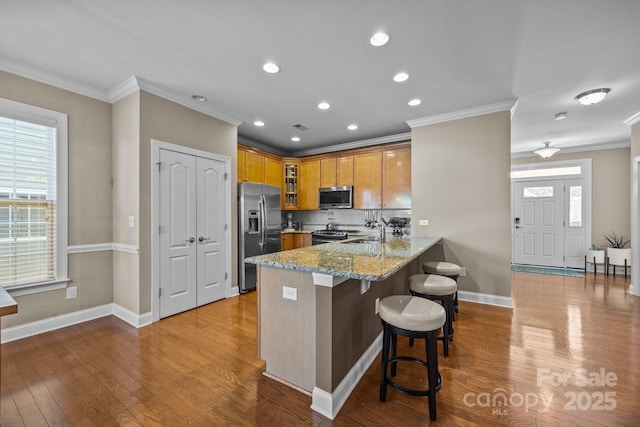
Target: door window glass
575 206
535 192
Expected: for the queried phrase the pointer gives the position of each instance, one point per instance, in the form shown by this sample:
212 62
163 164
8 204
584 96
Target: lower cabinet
295 240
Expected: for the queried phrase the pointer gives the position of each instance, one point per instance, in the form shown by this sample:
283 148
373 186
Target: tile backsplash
345 219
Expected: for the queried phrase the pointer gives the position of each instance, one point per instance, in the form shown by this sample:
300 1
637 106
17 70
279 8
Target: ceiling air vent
300 127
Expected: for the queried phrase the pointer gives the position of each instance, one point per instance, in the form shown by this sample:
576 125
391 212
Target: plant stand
594 257
618 257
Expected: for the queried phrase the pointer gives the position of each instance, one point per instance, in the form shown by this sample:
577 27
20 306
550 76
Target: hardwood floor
200 368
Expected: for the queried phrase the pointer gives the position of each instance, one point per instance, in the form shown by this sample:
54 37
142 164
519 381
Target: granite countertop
351 258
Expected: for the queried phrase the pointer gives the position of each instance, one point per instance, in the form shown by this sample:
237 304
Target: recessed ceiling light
400 77
270 68
352 127
295 138
324 106
199 98
592 96
259 123
560 116
379 39
415 102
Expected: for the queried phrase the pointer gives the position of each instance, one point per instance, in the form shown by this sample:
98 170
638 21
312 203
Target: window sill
35 288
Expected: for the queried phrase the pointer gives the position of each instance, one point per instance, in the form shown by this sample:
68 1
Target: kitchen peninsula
318 328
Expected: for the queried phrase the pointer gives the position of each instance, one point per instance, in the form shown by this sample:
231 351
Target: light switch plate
72 292
424 222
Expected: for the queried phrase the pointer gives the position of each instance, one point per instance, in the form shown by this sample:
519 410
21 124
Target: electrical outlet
131 221
424 222
72 292
377 306
290 293
463 271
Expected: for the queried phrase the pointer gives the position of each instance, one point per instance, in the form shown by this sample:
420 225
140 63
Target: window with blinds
28 202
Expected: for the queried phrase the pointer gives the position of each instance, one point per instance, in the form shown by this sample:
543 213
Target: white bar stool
443 268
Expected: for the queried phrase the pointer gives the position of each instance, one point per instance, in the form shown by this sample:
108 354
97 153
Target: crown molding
51 79
633 119
354 144
464 114
577 149
134 83
260 146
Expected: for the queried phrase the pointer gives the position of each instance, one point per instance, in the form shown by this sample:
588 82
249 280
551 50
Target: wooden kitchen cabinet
396 178
287 241
290 195
273 171
367 180
308 184
336 171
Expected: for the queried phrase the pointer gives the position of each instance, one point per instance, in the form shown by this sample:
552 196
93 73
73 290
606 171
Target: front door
539 223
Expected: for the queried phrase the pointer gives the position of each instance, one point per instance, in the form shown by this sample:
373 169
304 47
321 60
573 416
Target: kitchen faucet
373 220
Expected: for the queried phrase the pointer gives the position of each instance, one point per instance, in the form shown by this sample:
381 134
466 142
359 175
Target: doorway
191 211
551 211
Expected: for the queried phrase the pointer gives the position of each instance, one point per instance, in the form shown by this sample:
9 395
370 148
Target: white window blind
27 202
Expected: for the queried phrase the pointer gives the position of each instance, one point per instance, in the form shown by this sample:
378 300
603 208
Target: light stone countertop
356 260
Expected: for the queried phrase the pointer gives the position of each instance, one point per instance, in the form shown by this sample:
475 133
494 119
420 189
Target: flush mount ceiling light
258 123
199 98
415 102
560 116
593 96
379 39
352 127
324 106
295 138
401 77
547 151
271 68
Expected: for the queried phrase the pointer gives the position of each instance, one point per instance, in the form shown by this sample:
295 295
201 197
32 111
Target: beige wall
611 190
169 122
89 169
126 194
460 183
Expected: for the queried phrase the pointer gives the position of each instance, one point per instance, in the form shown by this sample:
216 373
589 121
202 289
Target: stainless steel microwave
336 197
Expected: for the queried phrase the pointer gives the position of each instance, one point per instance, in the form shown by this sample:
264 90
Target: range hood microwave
336 197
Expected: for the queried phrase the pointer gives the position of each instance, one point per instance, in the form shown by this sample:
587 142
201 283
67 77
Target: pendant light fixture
547 151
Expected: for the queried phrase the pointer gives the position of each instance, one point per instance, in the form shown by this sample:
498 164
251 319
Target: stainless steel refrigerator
259 225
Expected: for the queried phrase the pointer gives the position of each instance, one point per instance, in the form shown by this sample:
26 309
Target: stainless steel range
327 236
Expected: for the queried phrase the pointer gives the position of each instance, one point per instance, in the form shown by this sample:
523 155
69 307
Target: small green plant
615 241
596 248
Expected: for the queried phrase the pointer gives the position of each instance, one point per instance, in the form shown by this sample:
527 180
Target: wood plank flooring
200 368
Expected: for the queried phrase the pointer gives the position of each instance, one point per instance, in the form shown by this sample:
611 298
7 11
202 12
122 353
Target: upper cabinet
309 184
367 180
290 199
396 178
336 171
260 167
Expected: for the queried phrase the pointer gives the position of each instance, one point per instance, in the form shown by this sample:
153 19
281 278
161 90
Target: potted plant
616 252
595 254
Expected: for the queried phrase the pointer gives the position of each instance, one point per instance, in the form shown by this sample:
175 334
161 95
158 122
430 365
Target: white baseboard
52 323
634 290
489 299
329 404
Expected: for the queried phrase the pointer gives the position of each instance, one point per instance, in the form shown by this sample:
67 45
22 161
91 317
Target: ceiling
460 54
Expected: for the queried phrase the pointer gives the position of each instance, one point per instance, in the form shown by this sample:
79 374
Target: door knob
191 240
202 239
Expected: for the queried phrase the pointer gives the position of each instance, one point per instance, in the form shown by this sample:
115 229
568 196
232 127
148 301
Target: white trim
99 247
634 288
129 86
52 80
56 322
260 146
463 114
354 144
488 299
68 319
156 146
36 288
329 404
633 119
121 247
134 319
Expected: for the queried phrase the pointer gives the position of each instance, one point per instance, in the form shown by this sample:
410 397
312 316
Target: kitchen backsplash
345 219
